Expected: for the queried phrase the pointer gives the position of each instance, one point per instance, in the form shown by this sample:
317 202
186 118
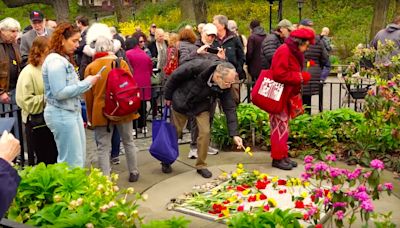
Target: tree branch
18 3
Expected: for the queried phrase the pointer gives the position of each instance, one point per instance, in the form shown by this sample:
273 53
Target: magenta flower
308 166
326 201
388 186
335 172
308 159
330 157
391 84
320 166
305 176
312 211
340 204
367 206
361 188
377 164
335 188
367 174
340 215
362 196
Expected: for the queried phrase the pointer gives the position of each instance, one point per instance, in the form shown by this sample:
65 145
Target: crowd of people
51 69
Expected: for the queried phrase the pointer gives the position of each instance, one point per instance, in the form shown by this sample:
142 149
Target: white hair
232 26
103 44
9 23
96 30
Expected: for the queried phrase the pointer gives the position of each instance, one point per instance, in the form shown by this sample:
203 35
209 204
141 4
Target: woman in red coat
287 65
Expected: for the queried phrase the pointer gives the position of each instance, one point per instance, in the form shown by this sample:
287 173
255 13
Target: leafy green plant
260 218
180 222
58 196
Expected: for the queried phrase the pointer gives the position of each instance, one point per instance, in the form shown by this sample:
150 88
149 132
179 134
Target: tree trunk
314 6
121 11
193 10
61 7
397 8
379 20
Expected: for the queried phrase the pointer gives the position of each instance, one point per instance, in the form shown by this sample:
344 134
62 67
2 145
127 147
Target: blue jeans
69 134
115 143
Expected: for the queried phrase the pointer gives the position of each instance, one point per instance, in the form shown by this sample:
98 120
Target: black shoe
281 164
166 168
290 161
133 177
204 173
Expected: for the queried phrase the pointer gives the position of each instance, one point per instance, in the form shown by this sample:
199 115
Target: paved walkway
162 187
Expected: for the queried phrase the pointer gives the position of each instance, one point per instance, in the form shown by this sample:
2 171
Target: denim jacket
61 83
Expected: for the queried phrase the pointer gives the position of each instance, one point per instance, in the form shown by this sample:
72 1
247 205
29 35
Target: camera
212 50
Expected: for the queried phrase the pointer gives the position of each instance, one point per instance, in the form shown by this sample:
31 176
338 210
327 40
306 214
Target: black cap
254 23
307 22
36 16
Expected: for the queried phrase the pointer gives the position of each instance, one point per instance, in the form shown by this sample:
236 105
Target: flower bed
322 191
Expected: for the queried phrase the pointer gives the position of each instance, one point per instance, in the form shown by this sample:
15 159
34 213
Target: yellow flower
234 175
263 175
248 149
240 166
256 172
232 198
304 194
289 183
306 184
308 64
250 153
246 192
329 195
275 179
272 202
258 196
225 212
224 174
214 192
239 171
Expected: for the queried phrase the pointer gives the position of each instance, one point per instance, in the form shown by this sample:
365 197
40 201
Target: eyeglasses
141 41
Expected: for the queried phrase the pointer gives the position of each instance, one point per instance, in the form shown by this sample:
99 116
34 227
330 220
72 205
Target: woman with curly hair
62 94
30 97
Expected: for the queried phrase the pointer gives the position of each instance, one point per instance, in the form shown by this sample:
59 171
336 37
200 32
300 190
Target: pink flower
326 201
320 166
330 157
308 159
367 206
308 166
340 204
391 84
339 215
335 172
355 174
305 176
388 186
361 196
377 164
367 174
312 211
335 188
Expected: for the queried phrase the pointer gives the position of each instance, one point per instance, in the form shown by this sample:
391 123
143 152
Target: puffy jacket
233 52
253 55
185 50
268 48
191 94
316 52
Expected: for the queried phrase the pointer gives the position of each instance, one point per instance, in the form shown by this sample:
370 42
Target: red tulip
299 204
240 208
266 207
281 182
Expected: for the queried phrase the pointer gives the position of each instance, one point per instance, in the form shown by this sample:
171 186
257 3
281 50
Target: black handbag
36 120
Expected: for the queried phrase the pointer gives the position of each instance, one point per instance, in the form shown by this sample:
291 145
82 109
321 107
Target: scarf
294 49
99 55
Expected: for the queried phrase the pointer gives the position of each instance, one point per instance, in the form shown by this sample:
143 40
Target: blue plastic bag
165 140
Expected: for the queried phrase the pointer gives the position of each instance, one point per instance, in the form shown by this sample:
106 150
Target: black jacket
319 55
268 48
253 55
233 52
191 94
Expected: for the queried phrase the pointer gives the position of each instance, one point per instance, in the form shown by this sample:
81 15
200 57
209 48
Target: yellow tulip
246 192
234 175
225 212
256 172
248 149
304 194
240 166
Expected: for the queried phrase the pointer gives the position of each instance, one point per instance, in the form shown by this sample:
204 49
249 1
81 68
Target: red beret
304 34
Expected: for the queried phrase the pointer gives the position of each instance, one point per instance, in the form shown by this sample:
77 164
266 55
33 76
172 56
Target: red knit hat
305 34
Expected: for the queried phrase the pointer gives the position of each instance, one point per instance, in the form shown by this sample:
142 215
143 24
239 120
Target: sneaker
121 149
115 161
144 130
133 132
212 151
166 168
192 153
281 164
204 173
133 177
288 160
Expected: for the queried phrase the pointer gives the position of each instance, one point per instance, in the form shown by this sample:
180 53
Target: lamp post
300 4
271 3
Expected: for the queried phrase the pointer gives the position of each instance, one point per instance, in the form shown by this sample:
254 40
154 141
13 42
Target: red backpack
122 94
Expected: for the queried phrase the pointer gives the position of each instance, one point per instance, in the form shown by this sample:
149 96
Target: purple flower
361 196
388 186
320 166
339 215
335 172
377 164
330 157
305 176
308 166
340 204
367 206
308 159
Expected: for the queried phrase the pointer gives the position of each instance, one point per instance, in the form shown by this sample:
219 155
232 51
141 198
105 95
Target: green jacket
30 91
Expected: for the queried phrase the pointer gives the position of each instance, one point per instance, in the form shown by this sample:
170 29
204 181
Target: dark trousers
41 142
141 121
307 102
115 143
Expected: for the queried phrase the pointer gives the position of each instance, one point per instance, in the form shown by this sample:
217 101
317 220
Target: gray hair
223 69
9 23
232 26
113 30
222 19
103 44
